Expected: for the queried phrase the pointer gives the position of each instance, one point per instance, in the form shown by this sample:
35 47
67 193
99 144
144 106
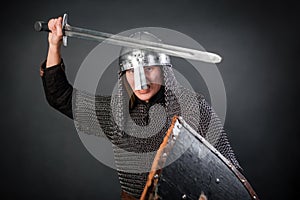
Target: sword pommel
41 26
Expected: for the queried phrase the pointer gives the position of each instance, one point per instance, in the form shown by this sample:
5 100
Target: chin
143 97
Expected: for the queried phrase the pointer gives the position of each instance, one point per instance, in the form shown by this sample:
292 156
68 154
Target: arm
88 111
57 89
213 131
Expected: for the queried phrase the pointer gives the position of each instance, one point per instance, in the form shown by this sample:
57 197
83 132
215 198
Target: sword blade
172 50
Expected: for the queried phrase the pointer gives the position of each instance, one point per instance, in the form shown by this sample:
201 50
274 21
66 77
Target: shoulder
188 93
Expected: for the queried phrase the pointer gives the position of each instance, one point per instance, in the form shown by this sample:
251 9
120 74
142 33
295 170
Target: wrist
53 57
54 48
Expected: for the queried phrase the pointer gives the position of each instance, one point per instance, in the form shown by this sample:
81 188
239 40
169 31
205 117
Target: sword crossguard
64 23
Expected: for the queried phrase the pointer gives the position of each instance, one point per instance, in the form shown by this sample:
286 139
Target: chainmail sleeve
87 110
212 130
198 113
91 114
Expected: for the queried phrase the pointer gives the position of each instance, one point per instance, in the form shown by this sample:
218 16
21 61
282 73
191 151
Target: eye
130 71
148 69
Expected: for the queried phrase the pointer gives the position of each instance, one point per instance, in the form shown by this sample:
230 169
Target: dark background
42 155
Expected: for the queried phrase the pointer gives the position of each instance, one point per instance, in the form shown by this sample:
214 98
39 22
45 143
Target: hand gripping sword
77 32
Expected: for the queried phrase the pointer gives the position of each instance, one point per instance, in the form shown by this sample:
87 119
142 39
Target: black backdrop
42 155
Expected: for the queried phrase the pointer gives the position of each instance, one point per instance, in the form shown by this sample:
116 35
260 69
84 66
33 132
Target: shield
188 167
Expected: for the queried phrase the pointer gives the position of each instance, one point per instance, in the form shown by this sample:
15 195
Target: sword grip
41 26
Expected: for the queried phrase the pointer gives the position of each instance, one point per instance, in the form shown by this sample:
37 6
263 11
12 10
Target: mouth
145 91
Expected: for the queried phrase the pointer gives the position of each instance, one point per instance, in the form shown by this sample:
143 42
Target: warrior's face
153 75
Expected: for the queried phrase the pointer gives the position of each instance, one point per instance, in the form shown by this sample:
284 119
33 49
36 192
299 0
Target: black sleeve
58 90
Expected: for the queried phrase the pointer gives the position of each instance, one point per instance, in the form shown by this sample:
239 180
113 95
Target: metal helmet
137 59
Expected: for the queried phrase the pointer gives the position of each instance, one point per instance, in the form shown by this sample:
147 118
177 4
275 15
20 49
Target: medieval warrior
147 90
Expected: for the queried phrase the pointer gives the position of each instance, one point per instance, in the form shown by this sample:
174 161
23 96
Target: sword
172 50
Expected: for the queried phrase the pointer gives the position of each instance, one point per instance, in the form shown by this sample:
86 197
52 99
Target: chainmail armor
137 133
